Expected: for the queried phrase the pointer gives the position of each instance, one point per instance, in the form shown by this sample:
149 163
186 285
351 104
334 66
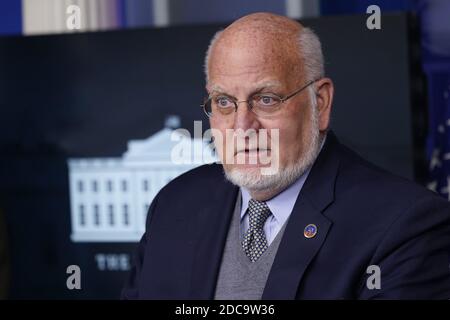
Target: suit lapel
211 225
296 251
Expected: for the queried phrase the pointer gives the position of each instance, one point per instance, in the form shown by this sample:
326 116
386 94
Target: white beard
252 179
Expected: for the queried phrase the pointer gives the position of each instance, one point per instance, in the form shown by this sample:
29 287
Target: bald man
298 215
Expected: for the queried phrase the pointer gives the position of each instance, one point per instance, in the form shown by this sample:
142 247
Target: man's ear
324 94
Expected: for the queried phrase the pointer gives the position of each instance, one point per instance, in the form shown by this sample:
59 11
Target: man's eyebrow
259 87
216 88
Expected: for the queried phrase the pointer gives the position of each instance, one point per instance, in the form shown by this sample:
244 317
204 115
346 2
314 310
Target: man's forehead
252 69
248 57
253 49
246 54
258 41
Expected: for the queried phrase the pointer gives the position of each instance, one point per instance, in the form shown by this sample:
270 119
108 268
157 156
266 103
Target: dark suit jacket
364 215
4 260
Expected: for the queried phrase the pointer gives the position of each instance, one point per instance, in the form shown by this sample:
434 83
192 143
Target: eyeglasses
262 104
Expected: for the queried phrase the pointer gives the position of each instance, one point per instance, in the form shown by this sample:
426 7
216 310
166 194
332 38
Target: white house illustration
110 197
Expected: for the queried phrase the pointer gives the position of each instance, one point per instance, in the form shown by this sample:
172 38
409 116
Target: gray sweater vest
239 278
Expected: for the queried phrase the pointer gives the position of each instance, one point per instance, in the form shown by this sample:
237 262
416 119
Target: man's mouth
254 150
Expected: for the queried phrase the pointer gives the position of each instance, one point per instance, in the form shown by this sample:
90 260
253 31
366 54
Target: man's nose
244 117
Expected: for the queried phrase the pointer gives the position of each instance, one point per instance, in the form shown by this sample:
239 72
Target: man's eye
266 100
223 102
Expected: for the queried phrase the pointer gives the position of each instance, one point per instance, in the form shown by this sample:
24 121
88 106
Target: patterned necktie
255 242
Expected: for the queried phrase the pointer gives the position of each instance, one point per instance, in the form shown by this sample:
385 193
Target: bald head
265 38
268 24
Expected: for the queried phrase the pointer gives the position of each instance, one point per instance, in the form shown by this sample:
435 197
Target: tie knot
258 212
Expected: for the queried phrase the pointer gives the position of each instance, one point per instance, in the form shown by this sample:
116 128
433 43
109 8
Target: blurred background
87 115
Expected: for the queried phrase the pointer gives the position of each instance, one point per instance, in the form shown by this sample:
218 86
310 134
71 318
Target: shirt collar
283 203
